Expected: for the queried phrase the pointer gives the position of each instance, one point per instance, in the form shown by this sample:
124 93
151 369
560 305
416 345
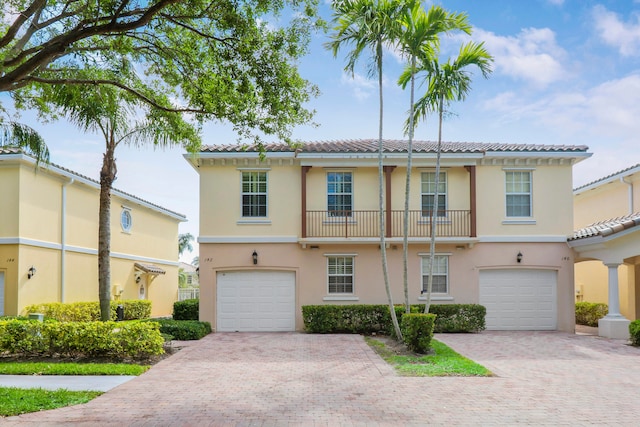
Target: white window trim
253 219
342 295
339 219
528 220
439 219
124 229
436 296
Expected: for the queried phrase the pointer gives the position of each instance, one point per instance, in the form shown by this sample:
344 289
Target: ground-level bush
184 330
90 311
131 339
188 309
634 332
367 319
417 331
588 313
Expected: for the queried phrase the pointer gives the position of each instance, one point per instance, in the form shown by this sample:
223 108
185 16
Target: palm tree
370 24
184 243
446 82
420 38
18 135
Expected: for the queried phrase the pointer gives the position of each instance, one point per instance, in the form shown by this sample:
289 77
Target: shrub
90 311
188 309
367 319
417 331
81 339
588 313
184 329
634 332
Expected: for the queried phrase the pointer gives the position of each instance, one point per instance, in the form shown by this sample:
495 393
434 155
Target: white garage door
255 301
523 300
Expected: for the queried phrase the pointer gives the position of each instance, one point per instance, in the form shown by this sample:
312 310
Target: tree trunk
383 247
434 214
107 176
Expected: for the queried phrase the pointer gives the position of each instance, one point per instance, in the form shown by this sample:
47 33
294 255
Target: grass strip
442 362
15 401
69 368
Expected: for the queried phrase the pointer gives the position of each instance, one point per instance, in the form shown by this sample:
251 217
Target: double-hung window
428 192
340 274
440 283
339 194
254 194
518 193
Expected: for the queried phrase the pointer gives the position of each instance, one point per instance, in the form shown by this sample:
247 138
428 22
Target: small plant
634 332
417 331
184 330
186 310
588 313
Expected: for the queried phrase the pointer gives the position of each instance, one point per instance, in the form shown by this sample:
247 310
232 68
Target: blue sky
565 72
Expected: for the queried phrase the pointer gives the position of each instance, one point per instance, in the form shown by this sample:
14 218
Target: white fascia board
523 239
610 179
578 155
246 155
307 157
248 239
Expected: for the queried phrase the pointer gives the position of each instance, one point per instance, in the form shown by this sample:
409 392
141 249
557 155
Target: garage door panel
522 299
257 301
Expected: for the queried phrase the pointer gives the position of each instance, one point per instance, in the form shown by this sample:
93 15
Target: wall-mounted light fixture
519 257
31 273
255 257
138 278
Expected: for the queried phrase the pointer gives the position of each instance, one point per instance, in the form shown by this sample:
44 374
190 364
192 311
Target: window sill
253 222
341 298
437 298
523 221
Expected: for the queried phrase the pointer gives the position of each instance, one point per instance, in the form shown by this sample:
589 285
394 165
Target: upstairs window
440 283
428 191
339 194
126 220
518 193
340 274
254 194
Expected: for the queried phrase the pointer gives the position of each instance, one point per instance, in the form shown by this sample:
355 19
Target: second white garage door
520 299
255 301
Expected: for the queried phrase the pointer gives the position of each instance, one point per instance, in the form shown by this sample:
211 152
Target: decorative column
613 325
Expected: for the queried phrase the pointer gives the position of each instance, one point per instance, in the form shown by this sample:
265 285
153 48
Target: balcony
364 224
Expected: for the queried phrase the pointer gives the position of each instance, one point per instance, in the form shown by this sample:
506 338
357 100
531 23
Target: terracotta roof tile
607 227
149 268
393 146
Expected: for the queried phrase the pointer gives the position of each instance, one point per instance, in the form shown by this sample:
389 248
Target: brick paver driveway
542 378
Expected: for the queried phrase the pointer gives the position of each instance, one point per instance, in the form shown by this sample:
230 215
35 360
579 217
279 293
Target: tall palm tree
420 38
370 24
446 82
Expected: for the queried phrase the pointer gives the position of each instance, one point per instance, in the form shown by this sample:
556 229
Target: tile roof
607 227
621 172
12 150
149 268
392 146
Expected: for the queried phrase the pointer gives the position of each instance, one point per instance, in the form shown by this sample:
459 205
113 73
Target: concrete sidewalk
68 382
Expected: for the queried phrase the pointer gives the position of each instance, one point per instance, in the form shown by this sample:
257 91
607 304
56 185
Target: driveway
290 379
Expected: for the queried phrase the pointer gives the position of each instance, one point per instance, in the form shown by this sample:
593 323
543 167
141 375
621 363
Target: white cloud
362 87
533 55
623 36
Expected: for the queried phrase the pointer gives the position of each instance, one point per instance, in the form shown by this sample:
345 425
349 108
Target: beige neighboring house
49 240
607 245
301 227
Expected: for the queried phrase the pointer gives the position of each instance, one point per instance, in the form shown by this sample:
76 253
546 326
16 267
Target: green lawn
442 362
66 368
14 401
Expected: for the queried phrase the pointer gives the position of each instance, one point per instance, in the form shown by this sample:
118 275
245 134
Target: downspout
63 239
630 191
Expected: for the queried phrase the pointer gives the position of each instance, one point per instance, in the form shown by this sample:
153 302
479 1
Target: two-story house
607 244
301 226
49 240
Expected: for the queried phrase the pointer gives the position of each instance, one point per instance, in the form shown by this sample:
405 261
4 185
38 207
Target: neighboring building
190 289
301 227
49 240
607 243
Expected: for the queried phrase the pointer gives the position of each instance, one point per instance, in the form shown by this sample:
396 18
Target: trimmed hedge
634 332
588 313
80 339
417 331
367 319
188 309
184 330
90 311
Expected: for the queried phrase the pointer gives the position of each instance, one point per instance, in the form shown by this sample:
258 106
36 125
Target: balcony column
387 185
472 197
303 198
613 325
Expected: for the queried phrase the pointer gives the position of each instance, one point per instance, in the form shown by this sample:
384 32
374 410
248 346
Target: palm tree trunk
407 194
434 214
107 177
383 247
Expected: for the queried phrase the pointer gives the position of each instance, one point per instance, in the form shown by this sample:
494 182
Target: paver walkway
291 379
